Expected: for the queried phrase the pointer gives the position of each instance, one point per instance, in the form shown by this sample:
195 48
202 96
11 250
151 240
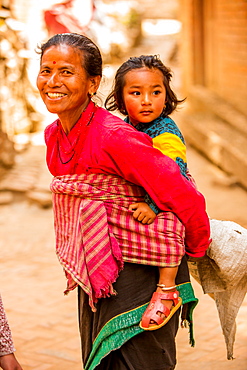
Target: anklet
164 287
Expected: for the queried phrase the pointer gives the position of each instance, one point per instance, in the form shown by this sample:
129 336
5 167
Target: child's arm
146 211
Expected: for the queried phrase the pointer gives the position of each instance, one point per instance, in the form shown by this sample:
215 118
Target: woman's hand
9 362
142 213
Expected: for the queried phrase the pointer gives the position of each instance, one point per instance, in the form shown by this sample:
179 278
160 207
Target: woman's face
63 82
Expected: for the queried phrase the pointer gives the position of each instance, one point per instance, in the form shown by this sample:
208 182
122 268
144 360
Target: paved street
44 321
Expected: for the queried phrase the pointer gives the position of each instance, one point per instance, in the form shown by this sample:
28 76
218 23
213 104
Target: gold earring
164 110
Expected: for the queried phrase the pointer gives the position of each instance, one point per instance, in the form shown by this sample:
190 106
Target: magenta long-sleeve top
102 143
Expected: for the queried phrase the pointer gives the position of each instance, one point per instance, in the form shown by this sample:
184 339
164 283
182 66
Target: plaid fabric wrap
95 231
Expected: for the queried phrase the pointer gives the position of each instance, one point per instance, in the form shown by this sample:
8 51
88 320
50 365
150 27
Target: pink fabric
61 18
95 232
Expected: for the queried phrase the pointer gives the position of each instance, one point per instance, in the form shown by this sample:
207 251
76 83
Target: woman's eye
44 71
66 72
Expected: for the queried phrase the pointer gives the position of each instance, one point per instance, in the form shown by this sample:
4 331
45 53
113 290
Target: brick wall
230 31
214 69
214 47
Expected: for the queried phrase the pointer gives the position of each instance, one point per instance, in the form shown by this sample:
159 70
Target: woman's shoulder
112 128
51 130
110 121
52 126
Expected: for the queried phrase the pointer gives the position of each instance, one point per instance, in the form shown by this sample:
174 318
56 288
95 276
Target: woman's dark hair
91 61
115 100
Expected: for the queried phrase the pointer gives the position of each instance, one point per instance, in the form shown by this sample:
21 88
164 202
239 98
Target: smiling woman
100 166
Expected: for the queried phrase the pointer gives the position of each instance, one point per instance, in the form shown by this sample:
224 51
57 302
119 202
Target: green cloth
123 327
186 292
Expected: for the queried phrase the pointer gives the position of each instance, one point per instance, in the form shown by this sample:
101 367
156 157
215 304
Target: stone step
221 143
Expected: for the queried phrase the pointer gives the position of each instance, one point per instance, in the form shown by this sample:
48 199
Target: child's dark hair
115 100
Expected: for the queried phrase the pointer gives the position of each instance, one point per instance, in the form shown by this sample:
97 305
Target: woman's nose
54 80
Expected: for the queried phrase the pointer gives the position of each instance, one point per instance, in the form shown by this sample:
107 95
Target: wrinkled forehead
62 49
62 52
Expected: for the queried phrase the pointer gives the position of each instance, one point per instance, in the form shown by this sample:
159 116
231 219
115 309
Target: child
7 357
142 92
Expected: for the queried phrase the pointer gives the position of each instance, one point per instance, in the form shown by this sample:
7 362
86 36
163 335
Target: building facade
214 68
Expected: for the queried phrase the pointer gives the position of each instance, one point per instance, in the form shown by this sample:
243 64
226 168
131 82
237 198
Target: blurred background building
213 49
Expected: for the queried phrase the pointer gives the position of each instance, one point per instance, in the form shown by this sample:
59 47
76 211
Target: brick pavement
44 322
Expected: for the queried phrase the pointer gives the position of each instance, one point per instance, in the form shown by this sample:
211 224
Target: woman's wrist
9 362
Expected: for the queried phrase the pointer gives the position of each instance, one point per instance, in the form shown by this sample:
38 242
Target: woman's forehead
62 52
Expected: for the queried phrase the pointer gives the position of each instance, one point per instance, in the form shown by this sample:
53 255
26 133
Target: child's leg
168 275
157 315
167 279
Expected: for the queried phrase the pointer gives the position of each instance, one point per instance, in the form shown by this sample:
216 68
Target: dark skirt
111 338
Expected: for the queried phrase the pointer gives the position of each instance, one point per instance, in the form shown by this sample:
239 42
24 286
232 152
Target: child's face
144 95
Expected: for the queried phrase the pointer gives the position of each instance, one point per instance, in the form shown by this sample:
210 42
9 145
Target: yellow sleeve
170 145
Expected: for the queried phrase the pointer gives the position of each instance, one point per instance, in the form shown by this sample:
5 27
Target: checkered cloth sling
96 232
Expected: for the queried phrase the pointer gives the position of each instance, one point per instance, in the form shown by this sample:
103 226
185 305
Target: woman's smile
52 95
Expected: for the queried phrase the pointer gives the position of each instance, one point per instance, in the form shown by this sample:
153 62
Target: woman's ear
95 82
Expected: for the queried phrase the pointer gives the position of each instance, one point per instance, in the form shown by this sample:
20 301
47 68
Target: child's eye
157 92
135 93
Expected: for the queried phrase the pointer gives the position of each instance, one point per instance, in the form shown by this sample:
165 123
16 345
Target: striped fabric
95 232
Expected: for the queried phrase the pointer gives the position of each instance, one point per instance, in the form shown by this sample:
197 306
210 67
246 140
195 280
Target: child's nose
146 99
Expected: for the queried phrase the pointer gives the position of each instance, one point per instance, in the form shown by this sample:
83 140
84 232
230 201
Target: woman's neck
69 118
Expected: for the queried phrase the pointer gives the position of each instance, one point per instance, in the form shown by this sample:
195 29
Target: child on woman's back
142 92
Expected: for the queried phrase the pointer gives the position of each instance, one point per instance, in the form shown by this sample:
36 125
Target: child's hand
142 213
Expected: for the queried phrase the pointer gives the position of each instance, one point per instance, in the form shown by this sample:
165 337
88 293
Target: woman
100 166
